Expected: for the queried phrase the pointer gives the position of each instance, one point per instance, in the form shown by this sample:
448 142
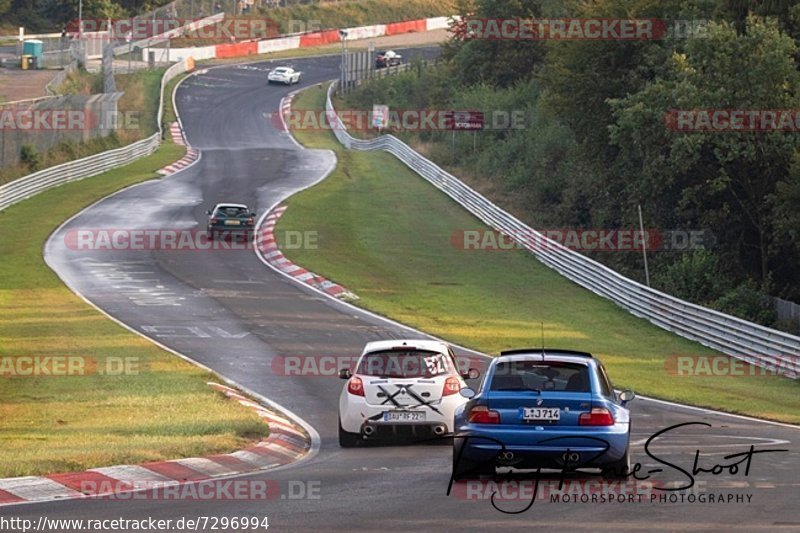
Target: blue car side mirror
626 396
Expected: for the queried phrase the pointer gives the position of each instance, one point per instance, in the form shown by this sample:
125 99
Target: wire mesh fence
787 311
363 65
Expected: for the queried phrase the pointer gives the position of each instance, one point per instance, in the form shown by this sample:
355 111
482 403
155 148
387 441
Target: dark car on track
230 220
543 408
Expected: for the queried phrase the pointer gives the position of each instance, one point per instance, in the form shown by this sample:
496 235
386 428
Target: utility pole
129 38
644 246
61 47
371 60
343 36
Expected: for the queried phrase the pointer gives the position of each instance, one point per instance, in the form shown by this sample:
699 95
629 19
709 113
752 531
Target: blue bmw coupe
543 408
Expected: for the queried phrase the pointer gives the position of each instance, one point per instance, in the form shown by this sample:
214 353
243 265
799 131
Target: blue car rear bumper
547 448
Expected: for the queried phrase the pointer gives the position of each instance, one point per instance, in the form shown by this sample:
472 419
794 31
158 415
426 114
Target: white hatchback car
401 388
286 75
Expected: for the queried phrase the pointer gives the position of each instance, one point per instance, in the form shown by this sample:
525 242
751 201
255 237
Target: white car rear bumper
355 415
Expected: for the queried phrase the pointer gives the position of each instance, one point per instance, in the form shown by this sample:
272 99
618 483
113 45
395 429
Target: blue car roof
564 356
547 351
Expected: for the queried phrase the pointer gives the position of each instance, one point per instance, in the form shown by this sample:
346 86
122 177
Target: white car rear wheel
347 439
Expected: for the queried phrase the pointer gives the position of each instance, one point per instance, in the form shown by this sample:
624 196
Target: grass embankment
81 81
321 16
136 112
61 423
360 12
140 102
385 234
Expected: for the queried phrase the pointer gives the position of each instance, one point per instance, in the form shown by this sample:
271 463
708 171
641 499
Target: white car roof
424 344
230 205
276 69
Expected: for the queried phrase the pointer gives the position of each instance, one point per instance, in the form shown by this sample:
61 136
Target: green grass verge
141 97
385 233
67 423
169 111
81 81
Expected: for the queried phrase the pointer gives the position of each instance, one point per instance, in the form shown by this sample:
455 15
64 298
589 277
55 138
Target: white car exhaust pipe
439 430
368 430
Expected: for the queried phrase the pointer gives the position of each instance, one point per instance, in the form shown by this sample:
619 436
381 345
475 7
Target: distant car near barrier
543 408
389 58
400 388
286 75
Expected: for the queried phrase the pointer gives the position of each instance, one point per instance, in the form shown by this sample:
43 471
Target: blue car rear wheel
466 468
619 469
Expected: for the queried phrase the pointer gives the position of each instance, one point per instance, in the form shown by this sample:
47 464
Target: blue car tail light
480 414
598 416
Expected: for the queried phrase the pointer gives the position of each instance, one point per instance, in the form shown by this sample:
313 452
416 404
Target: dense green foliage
50 15
597 139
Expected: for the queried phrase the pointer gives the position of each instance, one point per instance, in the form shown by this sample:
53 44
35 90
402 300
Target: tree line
51 15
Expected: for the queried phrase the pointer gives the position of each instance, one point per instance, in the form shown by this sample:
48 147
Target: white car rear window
405 364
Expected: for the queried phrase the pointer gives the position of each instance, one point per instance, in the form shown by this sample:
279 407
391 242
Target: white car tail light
355 387
451 386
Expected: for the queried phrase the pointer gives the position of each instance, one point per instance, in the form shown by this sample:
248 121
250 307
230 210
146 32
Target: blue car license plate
541 413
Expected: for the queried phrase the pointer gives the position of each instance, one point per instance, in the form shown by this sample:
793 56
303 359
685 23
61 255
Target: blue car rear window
541 376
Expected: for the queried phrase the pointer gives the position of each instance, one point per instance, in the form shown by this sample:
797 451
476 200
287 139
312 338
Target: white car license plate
404 416
541 413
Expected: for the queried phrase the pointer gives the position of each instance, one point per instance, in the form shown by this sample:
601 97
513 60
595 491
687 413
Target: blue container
33 47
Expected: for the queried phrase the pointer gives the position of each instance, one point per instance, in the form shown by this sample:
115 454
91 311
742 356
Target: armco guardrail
755 344
37 182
